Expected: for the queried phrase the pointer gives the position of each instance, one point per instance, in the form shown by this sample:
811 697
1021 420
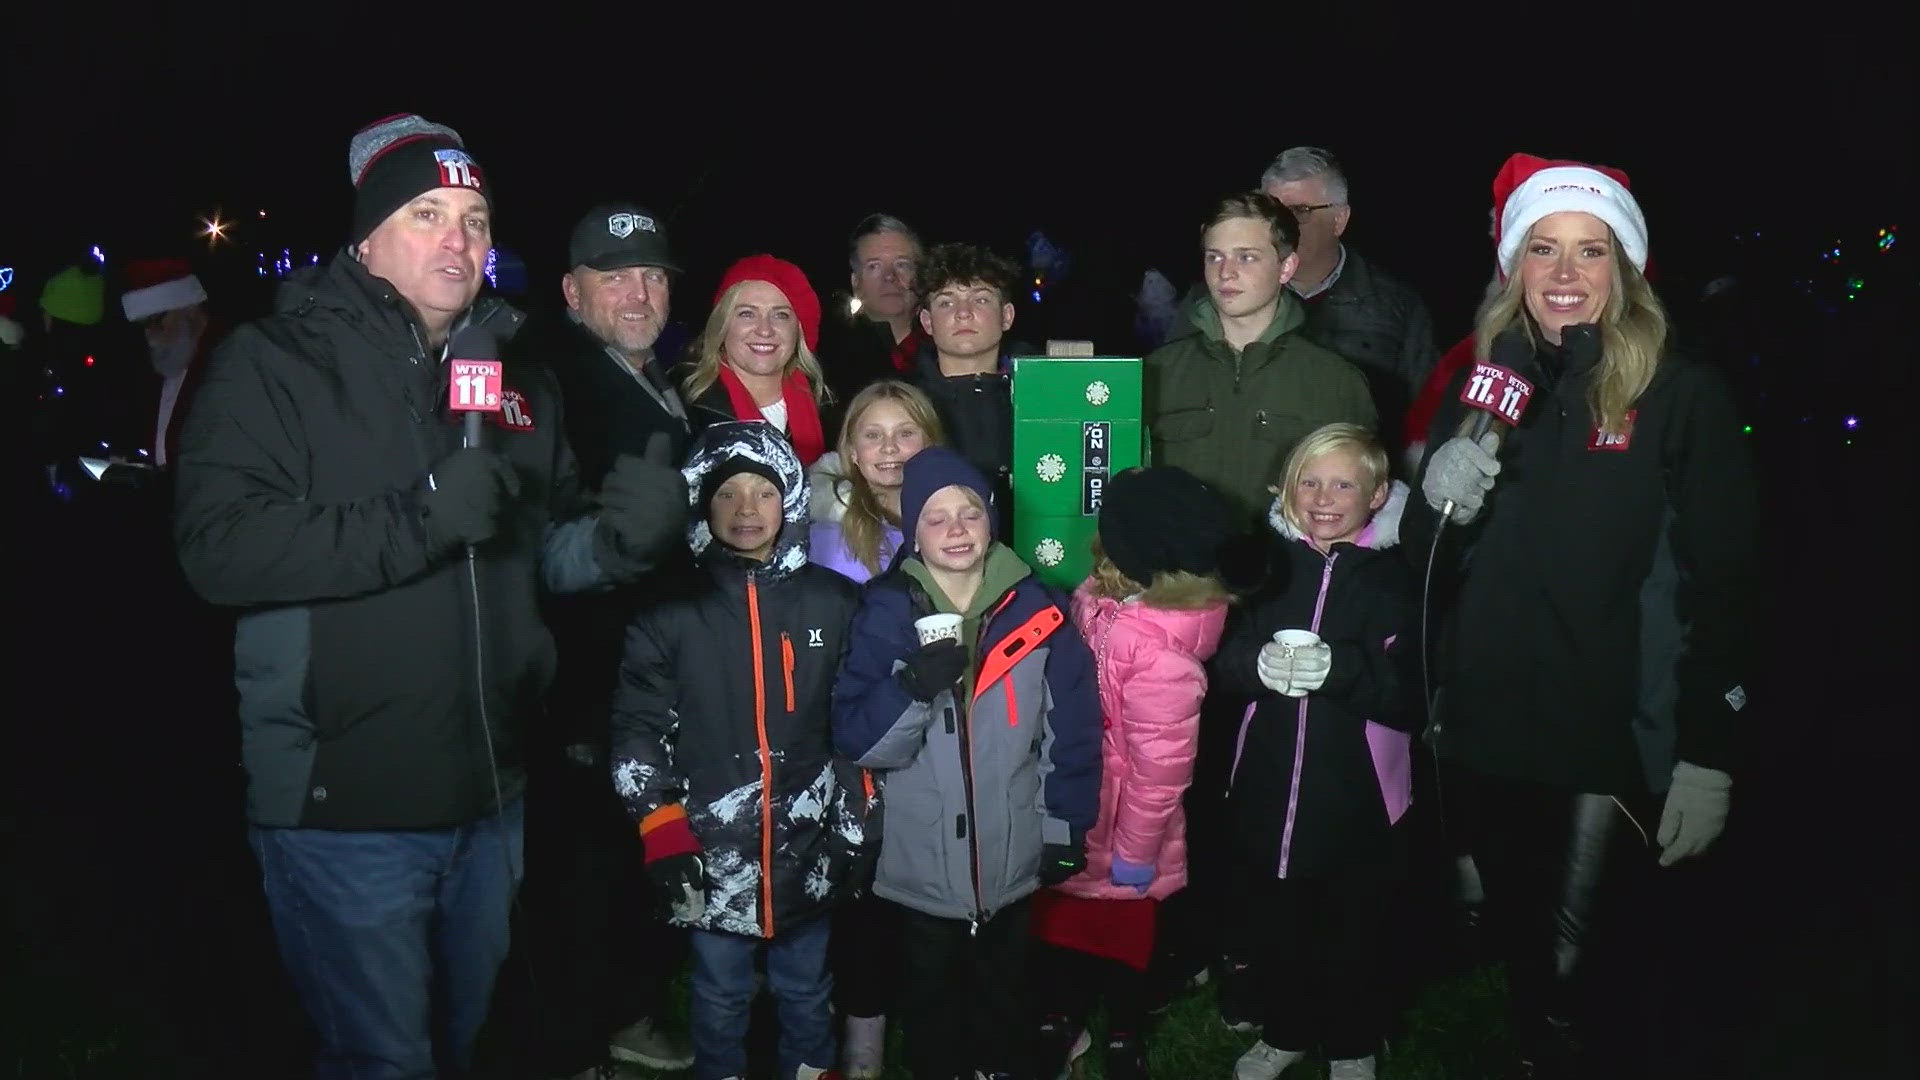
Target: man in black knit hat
389 652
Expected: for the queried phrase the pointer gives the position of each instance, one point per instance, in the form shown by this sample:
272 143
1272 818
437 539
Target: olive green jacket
1230 418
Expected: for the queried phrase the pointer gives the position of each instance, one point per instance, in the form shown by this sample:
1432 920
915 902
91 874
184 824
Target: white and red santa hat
157 286
1528 188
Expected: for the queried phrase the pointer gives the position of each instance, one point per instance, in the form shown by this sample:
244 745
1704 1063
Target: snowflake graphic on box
1049 552
1051 467
1098 393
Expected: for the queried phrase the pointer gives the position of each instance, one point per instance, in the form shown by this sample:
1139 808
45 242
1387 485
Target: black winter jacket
1380 326
724 706
302 466
1317 781
609 413
1603 602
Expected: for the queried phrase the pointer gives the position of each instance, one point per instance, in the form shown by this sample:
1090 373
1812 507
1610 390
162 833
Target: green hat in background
76 296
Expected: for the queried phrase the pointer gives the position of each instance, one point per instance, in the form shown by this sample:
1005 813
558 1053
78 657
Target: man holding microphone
389 650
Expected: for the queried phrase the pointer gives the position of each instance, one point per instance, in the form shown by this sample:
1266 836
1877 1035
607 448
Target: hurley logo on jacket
816 639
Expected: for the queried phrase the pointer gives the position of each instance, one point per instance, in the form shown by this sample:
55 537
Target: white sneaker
1351 1069
1263 1062
863 1050
645 1043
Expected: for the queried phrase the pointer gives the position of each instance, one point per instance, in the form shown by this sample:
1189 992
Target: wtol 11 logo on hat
621 226
457 169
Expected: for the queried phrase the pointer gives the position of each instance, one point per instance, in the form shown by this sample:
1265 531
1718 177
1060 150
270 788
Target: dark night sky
1114 150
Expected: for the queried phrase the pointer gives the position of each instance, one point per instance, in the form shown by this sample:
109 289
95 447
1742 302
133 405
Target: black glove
1058 862
643 501
681 881
933 668
465 495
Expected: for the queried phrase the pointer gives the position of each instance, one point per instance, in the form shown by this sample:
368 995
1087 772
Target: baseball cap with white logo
616 235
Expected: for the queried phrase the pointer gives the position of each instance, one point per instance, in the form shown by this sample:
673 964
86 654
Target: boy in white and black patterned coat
723 755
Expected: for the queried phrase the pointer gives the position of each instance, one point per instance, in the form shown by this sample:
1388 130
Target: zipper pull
973 926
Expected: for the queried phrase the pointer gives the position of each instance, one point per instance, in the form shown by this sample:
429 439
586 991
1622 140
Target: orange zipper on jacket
766 762
786 664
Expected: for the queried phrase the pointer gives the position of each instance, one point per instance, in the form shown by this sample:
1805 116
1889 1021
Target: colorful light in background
493 264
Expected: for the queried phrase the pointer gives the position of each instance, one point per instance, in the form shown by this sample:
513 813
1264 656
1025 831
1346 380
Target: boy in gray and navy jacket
988 752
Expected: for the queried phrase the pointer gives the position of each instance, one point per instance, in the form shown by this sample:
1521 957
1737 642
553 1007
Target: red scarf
803 415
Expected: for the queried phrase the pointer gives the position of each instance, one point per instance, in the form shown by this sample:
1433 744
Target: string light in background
6 278
1887 237
493 263
213 228
98 255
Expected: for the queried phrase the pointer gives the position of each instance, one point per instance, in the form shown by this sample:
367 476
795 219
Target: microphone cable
1433 732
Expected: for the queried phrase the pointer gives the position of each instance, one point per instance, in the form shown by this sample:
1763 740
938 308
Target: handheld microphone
474 377
1497 393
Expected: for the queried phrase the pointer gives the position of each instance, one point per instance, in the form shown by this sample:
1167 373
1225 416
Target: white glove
1695 812
1294 670
1310 666
1462 472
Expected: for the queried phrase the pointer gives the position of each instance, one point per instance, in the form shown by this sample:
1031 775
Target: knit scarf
803 416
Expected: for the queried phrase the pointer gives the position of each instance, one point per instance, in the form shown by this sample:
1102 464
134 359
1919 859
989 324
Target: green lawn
1456 1031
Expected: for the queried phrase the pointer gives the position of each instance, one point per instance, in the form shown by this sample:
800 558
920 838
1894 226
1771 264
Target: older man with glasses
1353 308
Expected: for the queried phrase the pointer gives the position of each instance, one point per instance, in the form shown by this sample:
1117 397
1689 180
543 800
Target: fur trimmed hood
1381 533
1186 593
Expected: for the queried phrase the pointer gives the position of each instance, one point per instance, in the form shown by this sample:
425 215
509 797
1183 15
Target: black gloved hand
643 501
465 496
681 882
1058 862
933 668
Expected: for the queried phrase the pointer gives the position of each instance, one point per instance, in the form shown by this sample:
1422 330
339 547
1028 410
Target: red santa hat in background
157 286
1529 188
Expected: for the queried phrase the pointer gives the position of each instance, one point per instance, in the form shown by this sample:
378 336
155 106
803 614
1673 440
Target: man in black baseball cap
587 909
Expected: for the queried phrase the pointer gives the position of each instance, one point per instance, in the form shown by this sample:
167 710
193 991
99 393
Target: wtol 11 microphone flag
1498 394
473 379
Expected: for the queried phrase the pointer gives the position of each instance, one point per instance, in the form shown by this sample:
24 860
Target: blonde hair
863 525
1364 444
1108 581
1633 336
709 351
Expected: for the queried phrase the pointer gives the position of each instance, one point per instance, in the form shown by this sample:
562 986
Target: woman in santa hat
1600 562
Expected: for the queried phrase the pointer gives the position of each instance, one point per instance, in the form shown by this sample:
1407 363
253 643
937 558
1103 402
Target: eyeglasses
1302 213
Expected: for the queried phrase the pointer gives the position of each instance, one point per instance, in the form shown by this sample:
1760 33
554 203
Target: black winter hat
928 472
1161 519
731 468
396 160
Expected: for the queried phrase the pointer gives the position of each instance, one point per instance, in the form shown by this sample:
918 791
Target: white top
776 414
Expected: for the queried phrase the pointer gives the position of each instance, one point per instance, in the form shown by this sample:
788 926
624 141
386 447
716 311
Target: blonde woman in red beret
755 359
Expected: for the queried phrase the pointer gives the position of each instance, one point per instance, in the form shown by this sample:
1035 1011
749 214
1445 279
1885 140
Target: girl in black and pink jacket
1322 765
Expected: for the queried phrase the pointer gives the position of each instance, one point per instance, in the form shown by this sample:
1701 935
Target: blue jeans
723 991
393 939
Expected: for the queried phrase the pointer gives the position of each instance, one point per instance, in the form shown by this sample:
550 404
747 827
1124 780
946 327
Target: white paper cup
1295 638
934 627
1291 640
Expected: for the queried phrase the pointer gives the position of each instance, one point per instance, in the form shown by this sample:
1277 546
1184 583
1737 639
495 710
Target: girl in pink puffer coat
1095 931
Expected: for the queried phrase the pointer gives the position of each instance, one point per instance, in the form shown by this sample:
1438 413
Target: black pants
1567 879
1071 982
595 950
1317 947
865 956
963 996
